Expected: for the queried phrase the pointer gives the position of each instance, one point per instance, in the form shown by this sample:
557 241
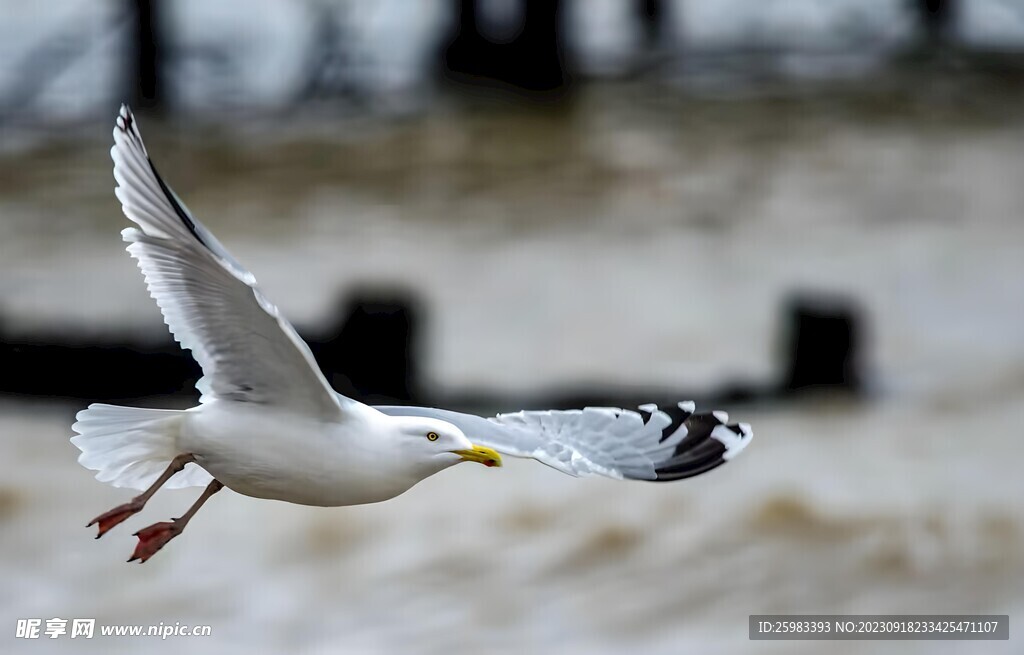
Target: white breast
265 452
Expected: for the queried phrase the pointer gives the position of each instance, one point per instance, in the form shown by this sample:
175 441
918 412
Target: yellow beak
482 454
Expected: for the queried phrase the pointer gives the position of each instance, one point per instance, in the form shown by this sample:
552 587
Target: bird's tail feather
130 447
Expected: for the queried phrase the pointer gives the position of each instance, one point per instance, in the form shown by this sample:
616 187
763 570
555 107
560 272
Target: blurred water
626 238
391 45
840 509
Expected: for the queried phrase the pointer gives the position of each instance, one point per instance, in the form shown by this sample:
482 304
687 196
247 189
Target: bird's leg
156 536
109 519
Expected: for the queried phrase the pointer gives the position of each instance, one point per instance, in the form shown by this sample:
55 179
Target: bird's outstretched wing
211 304
648 444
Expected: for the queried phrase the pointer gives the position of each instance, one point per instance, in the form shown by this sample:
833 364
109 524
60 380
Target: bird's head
441 443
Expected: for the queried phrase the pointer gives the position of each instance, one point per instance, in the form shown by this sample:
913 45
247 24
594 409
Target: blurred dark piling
371 353
146 60
330 58
937 19
532 61
108 368
823 345
651 14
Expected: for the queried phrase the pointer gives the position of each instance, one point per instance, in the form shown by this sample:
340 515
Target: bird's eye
432 436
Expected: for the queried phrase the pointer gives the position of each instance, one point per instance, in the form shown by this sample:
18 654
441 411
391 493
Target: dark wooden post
537 61
937 18
146 55
824 344
372 351
532 61
652 18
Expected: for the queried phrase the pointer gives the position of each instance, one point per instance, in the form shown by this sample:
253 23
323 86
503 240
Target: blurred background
802 212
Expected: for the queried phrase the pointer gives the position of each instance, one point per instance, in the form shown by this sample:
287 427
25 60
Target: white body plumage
277 454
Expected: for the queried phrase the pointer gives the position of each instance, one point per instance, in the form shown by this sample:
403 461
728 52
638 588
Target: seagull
268 424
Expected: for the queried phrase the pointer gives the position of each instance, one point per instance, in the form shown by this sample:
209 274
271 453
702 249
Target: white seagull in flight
268 424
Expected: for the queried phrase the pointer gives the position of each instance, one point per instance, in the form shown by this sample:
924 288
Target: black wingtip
709 443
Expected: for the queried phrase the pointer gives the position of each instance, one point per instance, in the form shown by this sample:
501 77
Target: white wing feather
247 350
647 445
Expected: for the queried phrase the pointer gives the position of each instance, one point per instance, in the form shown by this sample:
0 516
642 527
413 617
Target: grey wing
648 444
247 350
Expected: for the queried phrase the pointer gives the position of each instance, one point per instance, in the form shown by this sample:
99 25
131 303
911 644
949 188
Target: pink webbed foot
107 520
155 537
